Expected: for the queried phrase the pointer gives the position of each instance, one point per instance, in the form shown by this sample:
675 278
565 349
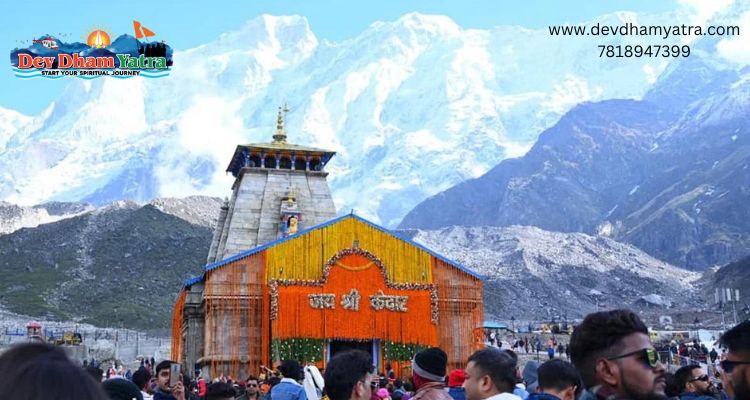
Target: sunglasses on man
373 383
703 378
648 356
727 366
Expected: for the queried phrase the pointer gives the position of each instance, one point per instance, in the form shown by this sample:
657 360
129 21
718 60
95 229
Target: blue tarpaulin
495 325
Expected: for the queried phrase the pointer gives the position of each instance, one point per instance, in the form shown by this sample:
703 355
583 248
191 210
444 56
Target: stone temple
274 182
286 278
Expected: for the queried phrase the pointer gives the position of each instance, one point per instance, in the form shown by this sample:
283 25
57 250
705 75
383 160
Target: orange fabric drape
297 319
236 338
461 312
179 308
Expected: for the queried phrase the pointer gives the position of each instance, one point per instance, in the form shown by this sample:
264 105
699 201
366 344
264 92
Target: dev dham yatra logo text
125 57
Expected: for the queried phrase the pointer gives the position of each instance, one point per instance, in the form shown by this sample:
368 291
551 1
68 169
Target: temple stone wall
193 327
250 218
253 216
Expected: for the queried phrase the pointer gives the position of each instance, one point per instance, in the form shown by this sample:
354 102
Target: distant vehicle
69 338
34 332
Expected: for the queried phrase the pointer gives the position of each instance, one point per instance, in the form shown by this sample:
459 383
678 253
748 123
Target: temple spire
280 136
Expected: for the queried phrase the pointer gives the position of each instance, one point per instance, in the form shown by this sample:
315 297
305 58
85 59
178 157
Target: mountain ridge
667 173
419 82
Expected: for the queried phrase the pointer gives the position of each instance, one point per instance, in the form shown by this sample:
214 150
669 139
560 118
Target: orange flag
141 31
137 28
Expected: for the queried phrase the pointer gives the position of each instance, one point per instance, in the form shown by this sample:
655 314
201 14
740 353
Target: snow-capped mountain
668 173
10 122
412 107
532 272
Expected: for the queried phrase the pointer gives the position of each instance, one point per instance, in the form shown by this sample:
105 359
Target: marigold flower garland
273 284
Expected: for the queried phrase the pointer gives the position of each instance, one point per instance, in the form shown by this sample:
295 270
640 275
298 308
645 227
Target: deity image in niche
292 225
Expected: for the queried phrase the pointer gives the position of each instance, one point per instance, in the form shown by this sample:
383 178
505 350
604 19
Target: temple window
270 161
285 162
315 165
299 163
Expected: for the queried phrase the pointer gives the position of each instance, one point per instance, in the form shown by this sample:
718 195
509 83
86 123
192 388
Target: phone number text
657 50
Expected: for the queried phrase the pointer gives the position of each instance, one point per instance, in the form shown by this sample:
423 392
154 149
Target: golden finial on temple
291 195
280 136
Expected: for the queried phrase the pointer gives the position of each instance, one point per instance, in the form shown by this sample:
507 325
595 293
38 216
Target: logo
96 56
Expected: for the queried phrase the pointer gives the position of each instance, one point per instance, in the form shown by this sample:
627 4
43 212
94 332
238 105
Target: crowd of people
530 344
611 357
686 352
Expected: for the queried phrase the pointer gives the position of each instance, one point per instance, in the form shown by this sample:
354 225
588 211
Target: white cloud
702 10
737 49
210 129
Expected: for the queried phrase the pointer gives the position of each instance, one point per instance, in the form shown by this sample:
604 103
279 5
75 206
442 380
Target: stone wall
253 217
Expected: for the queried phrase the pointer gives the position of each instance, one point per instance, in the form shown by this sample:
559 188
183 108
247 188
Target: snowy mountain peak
10 122
413 106
436 25
279 32
617 18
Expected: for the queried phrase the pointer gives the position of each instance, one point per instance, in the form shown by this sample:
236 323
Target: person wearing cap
490 375
455 384
428 374
121 389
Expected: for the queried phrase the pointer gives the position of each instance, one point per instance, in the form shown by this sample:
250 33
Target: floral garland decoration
301 349
273 284
273 289
372 257
394 351
434 305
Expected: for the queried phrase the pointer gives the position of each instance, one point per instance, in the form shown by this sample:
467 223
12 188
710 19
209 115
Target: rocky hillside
669 174
14 217
117 265
735 275
532 273
121 265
